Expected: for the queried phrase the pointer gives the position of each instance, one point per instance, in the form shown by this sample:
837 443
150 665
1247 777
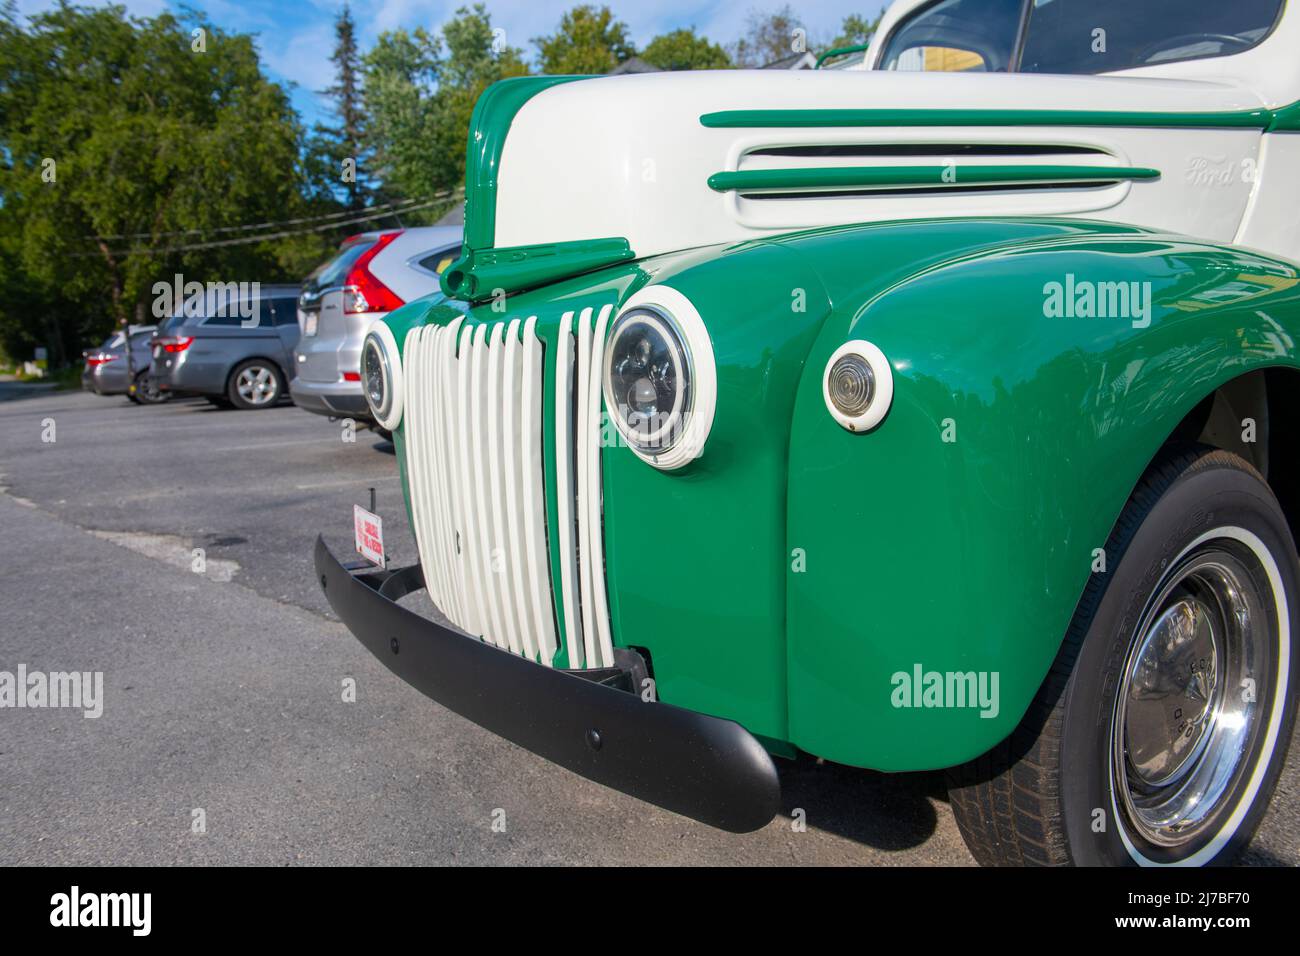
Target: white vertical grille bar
532 469
428 441
590 641
565 369
476 623
481 415
414 437
431 415
593 546
500 559
446 465
521 620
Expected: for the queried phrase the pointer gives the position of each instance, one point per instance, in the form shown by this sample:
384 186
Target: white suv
373 274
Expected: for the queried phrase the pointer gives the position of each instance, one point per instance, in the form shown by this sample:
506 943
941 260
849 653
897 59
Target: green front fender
957 536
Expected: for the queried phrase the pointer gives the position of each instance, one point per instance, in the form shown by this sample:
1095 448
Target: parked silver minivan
373 274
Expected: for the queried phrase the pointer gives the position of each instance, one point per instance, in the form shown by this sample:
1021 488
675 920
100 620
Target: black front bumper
706 768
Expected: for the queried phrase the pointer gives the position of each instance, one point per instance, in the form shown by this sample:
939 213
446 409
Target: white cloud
302 57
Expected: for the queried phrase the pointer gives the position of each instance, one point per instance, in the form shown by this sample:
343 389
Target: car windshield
1074 36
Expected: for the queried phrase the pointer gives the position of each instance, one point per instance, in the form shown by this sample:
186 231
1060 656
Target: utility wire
262 237
403 203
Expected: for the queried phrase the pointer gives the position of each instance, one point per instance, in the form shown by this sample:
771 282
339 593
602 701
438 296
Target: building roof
633 64
795 61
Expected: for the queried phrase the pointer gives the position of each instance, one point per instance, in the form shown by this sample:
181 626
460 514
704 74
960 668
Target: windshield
1074 36
1101 36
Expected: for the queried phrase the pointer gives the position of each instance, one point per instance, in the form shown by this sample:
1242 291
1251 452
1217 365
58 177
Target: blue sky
295 38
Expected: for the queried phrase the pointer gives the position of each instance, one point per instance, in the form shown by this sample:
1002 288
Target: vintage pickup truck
936 413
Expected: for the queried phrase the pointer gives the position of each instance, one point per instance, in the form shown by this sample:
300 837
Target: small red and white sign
369 531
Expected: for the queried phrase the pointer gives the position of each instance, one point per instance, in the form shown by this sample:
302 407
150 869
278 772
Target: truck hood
568 174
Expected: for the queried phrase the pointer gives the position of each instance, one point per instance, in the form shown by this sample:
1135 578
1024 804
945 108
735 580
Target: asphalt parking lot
223 690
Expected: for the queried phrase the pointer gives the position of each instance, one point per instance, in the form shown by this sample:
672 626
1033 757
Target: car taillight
351 376
177 343
362 292
100 358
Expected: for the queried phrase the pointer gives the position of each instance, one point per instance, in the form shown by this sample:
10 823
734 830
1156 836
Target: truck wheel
1162 727
256 383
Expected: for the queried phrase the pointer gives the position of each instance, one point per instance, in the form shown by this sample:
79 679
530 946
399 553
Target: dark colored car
229 358
106 371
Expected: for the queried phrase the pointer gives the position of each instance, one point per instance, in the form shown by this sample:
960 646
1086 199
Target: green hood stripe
741 119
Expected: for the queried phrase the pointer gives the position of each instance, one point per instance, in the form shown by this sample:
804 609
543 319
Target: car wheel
147 391
256 383
1160 732
382 432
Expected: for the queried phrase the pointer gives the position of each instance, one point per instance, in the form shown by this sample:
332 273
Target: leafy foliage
420 90
119 139
588 40
769 37
685 50
856 30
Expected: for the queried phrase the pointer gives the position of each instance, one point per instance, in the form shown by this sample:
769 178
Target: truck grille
473 429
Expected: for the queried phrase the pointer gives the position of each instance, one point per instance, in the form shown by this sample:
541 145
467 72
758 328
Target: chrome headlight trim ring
389 415
668 305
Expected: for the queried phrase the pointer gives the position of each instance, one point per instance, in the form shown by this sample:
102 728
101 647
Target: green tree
855 31
769 37
344 142
587 41
124 143
420 91
685 50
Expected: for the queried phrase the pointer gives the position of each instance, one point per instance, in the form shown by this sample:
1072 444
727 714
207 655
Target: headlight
648 376
381 376
858 385
659 377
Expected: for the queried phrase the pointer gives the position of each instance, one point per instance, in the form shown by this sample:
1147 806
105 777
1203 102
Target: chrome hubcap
1187 710
256 385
